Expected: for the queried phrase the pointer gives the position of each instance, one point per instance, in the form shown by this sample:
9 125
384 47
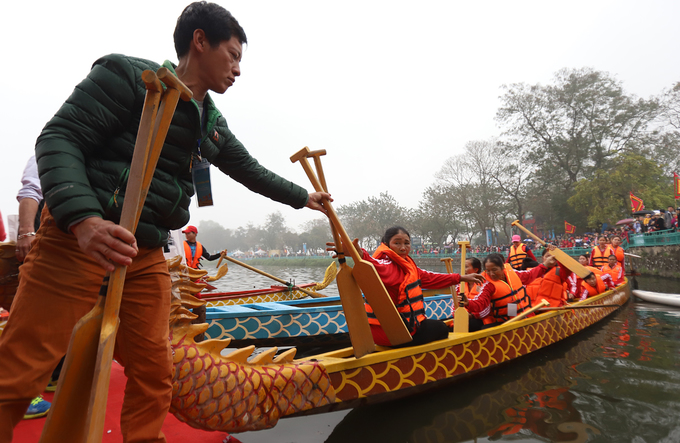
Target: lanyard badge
200 174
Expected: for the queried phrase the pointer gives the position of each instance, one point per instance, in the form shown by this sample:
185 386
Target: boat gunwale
343 359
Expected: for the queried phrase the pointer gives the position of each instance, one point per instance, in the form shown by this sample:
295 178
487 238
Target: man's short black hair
217 23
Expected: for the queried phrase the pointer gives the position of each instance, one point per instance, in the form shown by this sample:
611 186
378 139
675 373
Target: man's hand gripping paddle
78 410
364 272
350 293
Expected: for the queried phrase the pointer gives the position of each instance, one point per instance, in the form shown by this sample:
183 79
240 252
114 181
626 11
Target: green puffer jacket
84 154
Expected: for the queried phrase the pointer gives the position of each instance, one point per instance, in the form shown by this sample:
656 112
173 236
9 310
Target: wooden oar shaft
449 268
364 272
261 272
528 311
350 294
567 307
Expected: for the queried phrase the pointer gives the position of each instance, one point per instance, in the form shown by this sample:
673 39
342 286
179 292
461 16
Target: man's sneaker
51 386
38 408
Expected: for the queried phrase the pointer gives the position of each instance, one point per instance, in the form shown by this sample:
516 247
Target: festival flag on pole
569 228
676 181
636 203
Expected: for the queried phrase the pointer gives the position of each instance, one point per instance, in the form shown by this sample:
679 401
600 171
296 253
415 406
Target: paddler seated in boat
504 295
552 287
403 281
470 290
596 283
194 250
518 252
613 268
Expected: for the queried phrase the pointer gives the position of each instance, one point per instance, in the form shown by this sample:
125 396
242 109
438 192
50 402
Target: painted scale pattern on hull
468 356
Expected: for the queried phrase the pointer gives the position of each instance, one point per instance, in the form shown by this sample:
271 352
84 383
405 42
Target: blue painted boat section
282 320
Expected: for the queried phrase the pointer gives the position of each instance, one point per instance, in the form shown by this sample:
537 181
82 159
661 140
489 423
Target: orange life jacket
620 257
410 303
614 272
511 292
517 255
600 258
471 290
551 289
192 261
600 286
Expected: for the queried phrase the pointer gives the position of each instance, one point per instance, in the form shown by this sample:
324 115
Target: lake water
618 381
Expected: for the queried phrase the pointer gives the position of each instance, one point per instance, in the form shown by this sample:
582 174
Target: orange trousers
58 284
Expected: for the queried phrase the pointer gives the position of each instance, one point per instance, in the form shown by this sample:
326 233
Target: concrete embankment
663 261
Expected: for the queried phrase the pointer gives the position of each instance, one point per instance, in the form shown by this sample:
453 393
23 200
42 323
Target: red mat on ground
28 431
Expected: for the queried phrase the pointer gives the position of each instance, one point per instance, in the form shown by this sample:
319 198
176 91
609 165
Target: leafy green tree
605 198
574 126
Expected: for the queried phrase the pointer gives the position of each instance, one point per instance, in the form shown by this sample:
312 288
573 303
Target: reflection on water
619 381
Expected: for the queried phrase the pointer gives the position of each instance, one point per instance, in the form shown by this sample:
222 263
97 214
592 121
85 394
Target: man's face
221 65
612 261
190 236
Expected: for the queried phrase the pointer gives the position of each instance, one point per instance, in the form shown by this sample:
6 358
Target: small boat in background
658 297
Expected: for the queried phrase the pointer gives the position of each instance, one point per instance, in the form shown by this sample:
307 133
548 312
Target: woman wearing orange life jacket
618 251
600 253
403 281
503 295
613 268
471 290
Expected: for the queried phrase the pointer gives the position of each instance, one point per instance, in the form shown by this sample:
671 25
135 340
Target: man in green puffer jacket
84 154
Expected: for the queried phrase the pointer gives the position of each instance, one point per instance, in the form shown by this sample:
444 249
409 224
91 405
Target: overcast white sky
389 88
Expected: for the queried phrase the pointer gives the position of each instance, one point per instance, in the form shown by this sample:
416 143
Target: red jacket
392 276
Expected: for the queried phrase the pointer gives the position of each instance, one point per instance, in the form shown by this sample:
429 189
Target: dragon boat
238 391
299 323
275 293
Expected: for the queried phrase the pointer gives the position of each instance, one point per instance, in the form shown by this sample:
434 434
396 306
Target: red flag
636 203
569 228
676 180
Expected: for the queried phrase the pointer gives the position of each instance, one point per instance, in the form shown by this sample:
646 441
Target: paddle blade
355 312
571 264
461 321
101 379
383 307
68 413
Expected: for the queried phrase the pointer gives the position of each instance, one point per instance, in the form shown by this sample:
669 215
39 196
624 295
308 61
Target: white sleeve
30 182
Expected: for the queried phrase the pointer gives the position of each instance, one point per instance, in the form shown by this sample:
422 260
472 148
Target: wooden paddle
79 404
363 272
540 304
280 280
350 294
220 260
561 256
567 307
461 319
